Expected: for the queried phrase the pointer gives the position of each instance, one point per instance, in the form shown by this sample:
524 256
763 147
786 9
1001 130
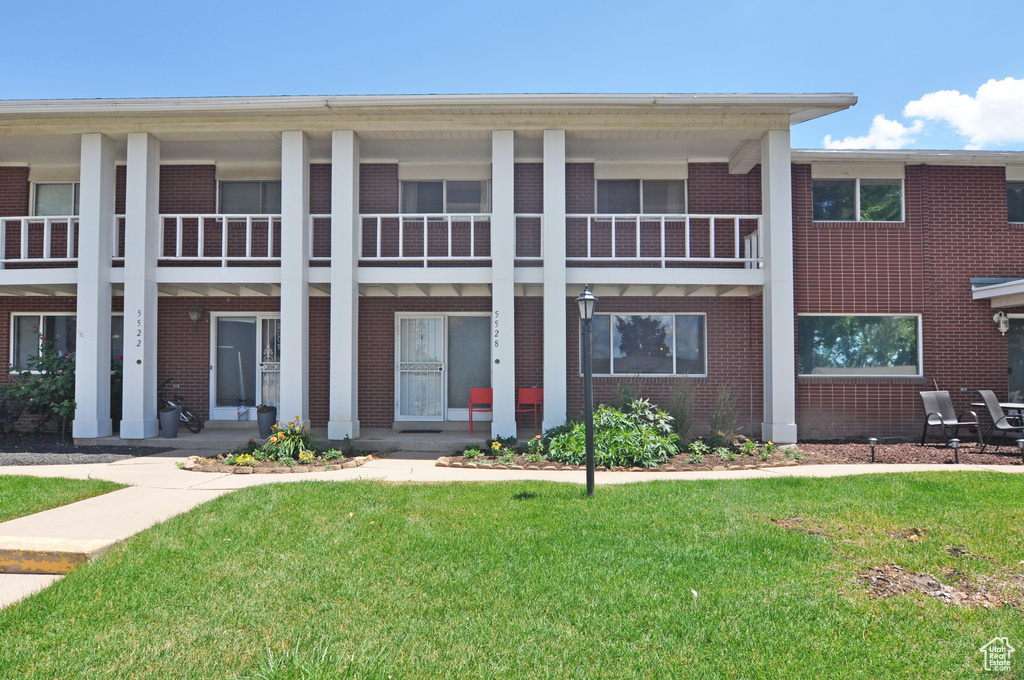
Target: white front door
439 357
244 361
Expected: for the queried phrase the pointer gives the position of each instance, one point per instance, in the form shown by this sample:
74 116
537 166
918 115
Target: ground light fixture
872 442
955 443
587 302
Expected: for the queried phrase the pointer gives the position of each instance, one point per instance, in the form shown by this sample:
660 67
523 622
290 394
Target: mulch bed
811 453
50 449
273 467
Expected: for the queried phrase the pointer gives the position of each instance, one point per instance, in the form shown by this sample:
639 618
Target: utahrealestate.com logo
997 654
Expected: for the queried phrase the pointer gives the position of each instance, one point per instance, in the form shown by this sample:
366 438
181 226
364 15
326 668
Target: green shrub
289 441
748 448
472 451
47 385
642 436
725 453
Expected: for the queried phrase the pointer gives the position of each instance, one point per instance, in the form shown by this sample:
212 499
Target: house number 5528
497 329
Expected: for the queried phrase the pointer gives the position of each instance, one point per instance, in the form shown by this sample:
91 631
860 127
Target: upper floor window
445 196
55 199
1015 201
858 200
250 198
641 196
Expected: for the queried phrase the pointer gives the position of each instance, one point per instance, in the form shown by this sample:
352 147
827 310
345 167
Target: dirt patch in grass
890 580
272 467
797 524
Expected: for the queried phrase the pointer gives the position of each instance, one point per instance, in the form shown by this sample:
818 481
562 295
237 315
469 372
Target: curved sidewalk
158 490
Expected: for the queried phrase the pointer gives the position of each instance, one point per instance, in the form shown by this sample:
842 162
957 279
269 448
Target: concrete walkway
158 490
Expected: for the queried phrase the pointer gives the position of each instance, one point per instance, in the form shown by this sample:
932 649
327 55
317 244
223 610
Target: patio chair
531 400
1001 423
939 411
479 397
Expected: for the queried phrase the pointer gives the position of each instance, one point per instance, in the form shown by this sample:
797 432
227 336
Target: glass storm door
469 362
420 382
1015 344
246 361
270 362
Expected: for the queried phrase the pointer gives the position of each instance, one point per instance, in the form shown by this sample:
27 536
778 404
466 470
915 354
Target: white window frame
686 193
611 357
856 199
444 196
76 192
40 315
920 349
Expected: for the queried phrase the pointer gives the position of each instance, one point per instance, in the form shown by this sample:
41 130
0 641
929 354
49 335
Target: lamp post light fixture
587 302
872 442
955 443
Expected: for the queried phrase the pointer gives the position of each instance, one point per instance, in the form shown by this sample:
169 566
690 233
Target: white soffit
638 170
53 173
436 171
857 170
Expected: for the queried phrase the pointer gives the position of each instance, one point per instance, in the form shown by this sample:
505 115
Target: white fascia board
997 290
201 275
524 275
38 277
465 275
910 157
674 276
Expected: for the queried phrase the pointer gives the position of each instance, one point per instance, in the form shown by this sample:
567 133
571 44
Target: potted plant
170 417
266 416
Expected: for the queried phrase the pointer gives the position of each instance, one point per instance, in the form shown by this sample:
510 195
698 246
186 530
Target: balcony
662 241
220 240
401 240
38 242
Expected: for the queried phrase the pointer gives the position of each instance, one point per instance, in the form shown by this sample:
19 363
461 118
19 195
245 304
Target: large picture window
55 199
861 200
658 344
29 331
641 196
859 345
433 197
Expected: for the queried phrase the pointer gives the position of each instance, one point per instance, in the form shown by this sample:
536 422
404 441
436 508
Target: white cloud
994 116
884 134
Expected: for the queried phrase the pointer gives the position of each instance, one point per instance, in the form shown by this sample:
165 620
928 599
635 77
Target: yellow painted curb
22 555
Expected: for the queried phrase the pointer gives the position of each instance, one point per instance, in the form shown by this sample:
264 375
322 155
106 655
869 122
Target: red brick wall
120 188
319 360
579 188
320 188
378 188
734 351
529 337
377 348
955 229
188 189
13 191
711 189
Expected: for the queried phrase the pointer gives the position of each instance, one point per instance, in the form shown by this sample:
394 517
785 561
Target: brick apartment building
365 261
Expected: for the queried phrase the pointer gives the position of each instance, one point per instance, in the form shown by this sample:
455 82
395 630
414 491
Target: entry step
24 555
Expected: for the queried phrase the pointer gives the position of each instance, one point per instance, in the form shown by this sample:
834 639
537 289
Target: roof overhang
1000 293
910 157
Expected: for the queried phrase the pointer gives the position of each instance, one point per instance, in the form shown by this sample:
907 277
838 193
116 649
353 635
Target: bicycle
193 422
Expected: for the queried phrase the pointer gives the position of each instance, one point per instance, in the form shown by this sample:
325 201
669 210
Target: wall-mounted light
196 313
1001 322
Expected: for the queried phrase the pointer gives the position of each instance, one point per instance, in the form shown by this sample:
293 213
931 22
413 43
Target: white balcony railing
752 250
419 239
223 239
28 241
661 240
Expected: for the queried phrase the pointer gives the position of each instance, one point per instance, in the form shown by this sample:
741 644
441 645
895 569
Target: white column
142 234
503 292
554 278
779 320
294 276
344 390
95 243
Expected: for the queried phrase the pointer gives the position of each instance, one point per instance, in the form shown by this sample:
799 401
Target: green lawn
20 496
534 580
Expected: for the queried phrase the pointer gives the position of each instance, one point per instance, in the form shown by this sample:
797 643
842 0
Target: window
250 198
55 199
30 330
859 345
1015 201
641 196
663 344
861 200
445 196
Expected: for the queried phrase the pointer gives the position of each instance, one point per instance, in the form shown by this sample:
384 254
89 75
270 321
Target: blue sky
891 54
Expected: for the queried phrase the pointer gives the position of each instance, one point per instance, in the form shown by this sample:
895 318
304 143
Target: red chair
479 396
531 400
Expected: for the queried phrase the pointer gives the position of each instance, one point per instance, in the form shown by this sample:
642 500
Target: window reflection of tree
643 344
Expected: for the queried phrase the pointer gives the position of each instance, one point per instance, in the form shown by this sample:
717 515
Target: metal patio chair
531 401
939 412
478 398
1001 423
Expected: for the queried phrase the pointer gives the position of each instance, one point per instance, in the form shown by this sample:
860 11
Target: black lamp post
587 302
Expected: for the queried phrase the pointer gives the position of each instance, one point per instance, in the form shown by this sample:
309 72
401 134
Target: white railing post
736 236
24 239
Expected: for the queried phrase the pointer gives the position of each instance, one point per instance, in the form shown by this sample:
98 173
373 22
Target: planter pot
169 421
266 421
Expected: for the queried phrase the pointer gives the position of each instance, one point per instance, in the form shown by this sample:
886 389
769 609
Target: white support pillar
295 240
142 232
503 292
344 390
779 423
95 244
554 279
